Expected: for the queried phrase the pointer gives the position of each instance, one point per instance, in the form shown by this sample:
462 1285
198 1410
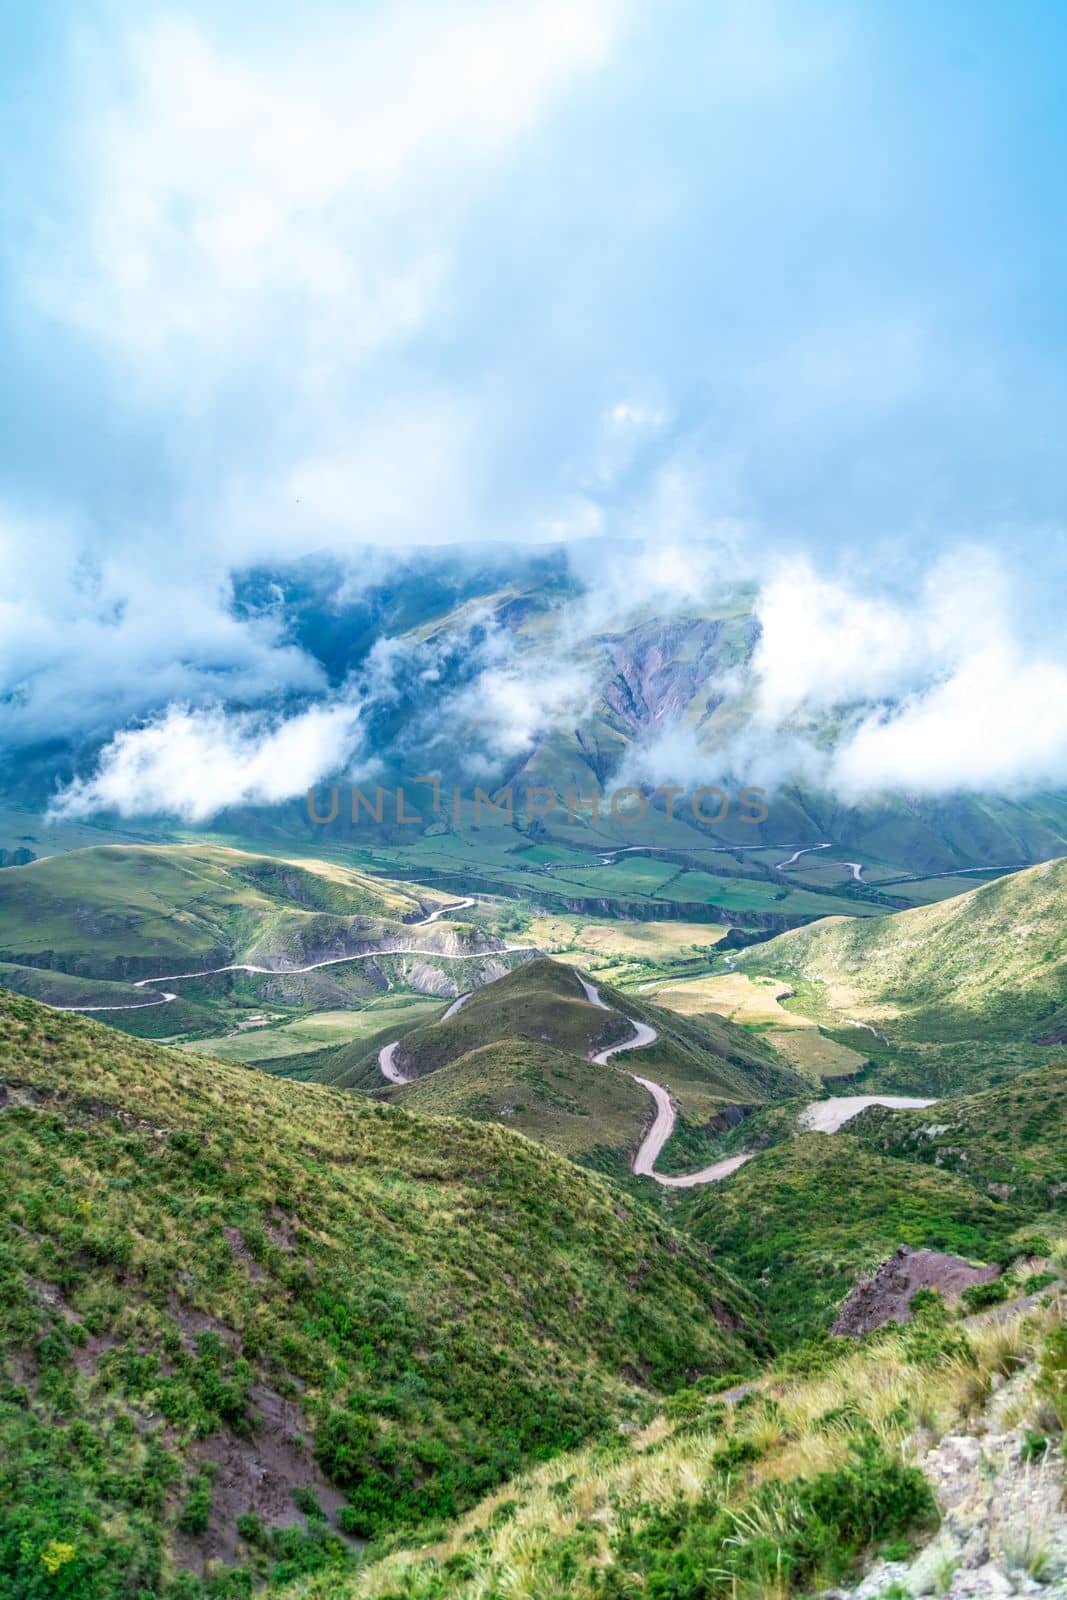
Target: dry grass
734 995
893 1389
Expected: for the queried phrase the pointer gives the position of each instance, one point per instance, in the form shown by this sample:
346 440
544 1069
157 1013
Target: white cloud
932 690
400 475
193 764
933 693
509 707
999 724
319 188
90 638
826 641
627 416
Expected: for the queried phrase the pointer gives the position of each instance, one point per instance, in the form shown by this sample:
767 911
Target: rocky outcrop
885 1294
1003 1524
659 668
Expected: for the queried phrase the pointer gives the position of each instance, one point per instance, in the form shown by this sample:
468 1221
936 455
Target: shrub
980 1295
1052 1380
196 1512
785 1537
342 1445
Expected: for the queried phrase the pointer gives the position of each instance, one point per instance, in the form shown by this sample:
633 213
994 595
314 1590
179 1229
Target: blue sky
788 277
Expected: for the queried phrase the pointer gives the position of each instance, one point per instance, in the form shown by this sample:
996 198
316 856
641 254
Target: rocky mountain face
660 669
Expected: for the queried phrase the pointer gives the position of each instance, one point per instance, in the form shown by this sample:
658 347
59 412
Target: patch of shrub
785 1537
981 1295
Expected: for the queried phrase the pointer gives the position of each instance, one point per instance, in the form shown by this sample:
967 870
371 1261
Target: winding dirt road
824 1116
160 1000
806 851
442 911
644 1162
316 966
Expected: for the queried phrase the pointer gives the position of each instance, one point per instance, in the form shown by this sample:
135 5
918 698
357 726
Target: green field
316 1031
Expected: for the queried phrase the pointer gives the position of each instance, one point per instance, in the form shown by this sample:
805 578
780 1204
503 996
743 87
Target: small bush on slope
1009 1141
446 1301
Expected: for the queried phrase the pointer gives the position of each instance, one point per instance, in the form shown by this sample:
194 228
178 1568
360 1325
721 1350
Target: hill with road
172 940
542 1049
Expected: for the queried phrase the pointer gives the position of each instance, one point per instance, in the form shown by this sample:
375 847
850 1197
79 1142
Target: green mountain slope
1009 1142
545 1001
542 1001
802 1220
962 992
569 1104
202 1266
692 671
122 911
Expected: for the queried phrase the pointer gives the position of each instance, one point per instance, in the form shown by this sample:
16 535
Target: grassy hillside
571 1105
67 989
225 1295
542 1001
123 911
994 958
1009 1142
802 1220
961 994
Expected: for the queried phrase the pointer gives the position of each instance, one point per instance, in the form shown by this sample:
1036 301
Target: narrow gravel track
315 966
644 1162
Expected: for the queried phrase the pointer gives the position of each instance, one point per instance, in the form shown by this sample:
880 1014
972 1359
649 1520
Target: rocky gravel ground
1003 1514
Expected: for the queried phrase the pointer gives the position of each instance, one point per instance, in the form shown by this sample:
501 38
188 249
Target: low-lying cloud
852 688
195 763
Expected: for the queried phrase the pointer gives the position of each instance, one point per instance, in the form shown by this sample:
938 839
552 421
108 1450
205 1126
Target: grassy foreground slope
122 911
220 1289
788 1493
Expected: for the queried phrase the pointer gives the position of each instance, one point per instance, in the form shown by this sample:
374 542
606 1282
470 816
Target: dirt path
160 1000
806 851
826 1116
442 911
457 1005
644 1162
315 966
385 1062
